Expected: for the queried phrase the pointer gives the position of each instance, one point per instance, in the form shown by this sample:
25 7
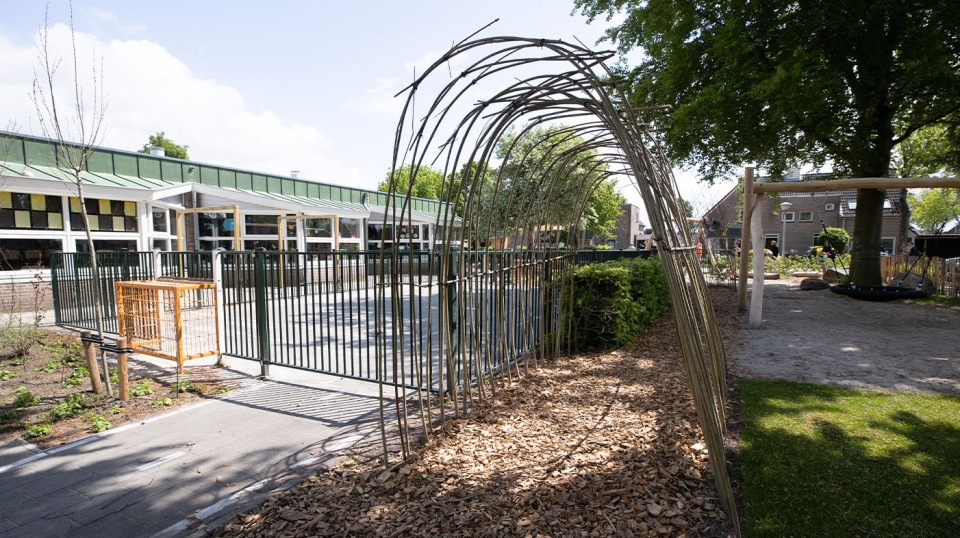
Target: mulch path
590 445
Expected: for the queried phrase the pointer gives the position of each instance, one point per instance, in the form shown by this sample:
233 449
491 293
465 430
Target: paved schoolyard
191 469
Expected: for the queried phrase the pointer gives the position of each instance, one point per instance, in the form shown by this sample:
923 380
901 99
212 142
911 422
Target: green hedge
613 301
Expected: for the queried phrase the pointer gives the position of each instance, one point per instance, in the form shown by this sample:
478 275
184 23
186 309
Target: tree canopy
934 209
779 83
580 195
543 159
170 148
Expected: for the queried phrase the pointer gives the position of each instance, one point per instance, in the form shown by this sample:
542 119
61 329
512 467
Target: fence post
122 374
216 265
453 313
88 353
54 283
157 264
260 290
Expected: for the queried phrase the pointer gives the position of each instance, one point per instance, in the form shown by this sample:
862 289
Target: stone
813 284
912 281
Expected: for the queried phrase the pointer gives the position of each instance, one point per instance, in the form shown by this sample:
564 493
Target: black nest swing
878 293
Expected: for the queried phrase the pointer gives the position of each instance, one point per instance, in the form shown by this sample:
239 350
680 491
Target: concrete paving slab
142 479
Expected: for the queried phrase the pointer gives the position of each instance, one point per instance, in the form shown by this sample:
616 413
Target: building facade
795 229
132 200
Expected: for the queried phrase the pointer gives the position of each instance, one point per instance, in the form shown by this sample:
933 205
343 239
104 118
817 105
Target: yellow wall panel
21 219
94 222
104 207
6 202
38 202
130 209
75 205
55 221
118 224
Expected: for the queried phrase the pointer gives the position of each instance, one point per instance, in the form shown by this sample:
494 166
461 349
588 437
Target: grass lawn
825 461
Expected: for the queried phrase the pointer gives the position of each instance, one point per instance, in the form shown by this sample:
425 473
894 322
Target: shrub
182 386
141 389
162 402
609 303
839 239
70 406
5 374
26 399
97 422
36 430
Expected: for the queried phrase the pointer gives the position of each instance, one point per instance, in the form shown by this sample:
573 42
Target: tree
76 130
928 153
934 209
170 148
427 184
554 160
781 82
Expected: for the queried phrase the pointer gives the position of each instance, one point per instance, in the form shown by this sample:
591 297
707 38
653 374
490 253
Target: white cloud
149 90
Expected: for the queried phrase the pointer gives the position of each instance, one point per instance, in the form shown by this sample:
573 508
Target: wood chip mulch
590 445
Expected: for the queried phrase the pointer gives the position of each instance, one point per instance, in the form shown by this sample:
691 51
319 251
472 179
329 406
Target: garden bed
47 399
594 445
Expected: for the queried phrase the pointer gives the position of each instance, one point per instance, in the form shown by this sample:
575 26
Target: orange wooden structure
167 319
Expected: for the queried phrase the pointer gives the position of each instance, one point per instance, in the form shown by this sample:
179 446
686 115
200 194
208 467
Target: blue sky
271 86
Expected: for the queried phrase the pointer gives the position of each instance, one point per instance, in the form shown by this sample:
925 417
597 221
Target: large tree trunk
865 257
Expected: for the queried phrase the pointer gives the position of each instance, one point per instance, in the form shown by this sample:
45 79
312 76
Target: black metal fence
416 318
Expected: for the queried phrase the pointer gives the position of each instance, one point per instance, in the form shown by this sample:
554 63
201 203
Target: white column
218 282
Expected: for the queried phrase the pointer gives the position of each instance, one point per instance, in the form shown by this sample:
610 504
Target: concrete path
192 469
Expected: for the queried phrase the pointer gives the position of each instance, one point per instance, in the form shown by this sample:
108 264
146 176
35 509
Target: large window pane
318 227
107 245
261 224
220 225
24 253
350 228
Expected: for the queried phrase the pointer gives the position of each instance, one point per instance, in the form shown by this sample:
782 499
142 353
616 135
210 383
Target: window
886 245
260 225
787 216
160 220
25 253
217 225
22 211
828 207
318 227
104 215
107 245
350 228
806 216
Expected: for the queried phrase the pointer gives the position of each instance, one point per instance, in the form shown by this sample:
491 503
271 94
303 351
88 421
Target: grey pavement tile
52 481
110 525
15 450
6 525
37 507
42 527
103 505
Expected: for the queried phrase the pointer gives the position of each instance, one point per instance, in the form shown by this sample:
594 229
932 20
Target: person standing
773 248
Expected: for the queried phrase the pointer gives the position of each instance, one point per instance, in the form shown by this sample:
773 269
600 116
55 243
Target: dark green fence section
453 318
75 288
586 256
186 265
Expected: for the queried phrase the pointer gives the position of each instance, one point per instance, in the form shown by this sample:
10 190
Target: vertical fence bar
260 293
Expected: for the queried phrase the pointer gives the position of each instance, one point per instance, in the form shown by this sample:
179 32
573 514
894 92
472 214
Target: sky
271 86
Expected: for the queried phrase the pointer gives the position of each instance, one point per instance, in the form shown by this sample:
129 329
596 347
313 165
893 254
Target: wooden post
122 369
745 238
91 356
236 228
181 241
756 295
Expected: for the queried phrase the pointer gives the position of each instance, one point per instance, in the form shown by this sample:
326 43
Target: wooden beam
858 183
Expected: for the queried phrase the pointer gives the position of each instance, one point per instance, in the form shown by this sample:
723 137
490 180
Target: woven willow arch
464 121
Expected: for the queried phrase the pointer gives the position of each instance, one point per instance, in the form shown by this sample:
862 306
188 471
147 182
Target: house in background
797 228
